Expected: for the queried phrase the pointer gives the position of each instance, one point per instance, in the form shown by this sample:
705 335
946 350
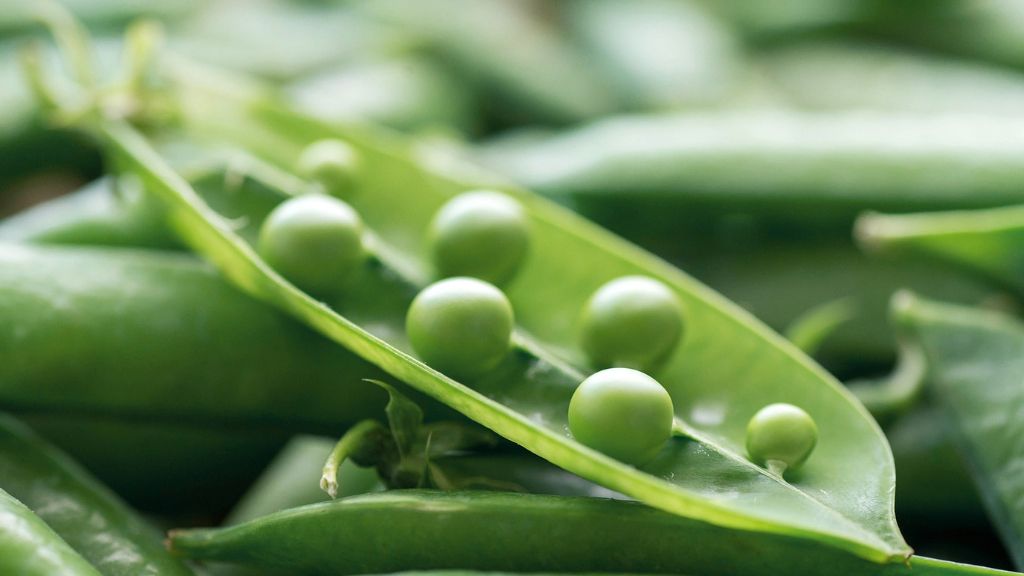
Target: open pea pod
728 367
985 241
976 360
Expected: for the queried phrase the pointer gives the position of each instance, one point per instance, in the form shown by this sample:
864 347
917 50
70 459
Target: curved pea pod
88 516
843 495
799 169
516 532
108 335
986 242
31 548
976 360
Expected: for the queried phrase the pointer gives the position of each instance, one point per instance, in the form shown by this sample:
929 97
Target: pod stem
776 467
353 442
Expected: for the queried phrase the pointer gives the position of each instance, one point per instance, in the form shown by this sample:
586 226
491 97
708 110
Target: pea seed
482 234
331 163
781 437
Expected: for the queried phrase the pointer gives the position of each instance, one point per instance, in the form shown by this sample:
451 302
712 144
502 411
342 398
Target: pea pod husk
516 532
29 547
87 515
525 399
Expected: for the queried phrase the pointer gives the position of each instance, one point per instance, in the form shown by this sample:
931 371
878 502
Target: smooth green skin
482 234
526 399
976 361
314 241
799 169
781 437
86 514
333 164
461 326
633 321
623 413
28 547
519 533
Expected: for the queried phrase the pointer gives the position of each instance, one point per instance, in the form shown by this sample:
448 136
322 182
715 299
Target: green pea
482 234
460 326
781 437
633 321
622 412
333 164
314 241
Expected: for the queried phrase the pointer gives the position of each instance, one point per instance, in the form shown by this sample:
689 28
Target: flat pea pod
28 547
87 515
525 399
503 531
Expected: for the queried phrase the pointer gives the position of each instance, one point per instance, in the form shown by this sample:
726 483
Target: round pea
781 437
623 413
314 241
460 326
482 234
633 321
333 164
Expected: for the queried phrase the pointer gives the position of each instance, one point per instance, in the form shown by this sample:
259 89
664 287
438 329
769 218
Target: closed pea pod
781 437
28 547
483 234
622 412
88 516
461 326
314 241
633 321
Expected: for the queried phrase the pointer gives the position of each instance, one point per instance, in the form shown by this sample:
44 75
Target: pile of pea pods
677 287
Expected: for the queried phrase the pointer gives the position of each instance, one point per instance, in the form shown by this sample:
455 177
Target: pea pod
976 361
516 532
526 399
31 548
243 356
986 242
803 170
89 517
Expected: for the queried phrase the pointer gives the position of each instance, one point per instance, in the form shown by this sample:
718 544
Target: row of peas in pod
462 325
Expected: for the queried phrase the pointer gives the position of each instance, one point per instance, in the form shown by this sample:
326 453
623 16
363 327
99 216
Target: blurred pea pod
90 518
29 547
525 69
21 15
976 363
407 93
985 242
307 36
804 171
830 75
658 54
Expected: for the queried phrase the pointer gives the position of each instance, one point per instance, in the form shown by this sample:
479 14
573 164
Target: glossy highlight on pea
460 326
314 241
483 234
633 321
